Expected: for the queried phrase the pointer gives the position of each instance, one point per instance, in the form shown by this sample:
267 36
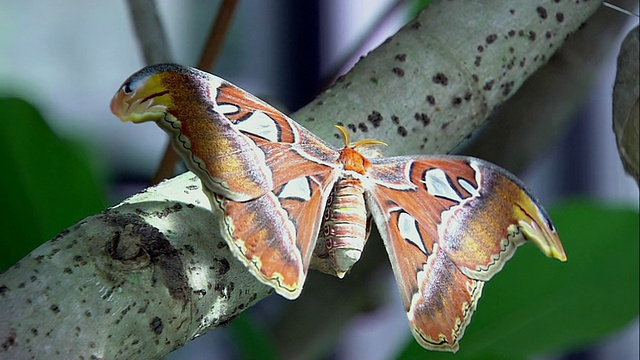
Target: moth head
145 95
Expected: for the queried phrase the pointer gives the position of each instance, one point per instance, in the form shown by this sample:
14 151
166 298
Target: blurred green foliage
47 185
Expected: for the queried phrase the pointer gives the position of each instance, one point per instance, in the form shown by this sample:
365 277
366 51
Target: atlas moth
287 200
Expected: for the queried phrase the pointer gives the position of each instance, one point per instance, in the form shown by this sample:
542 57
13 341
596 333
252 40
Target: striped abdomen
345 228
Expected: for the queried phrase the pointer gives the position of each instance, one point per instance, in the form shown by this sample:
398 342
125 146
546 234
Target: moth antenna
359 143
345 135
617 8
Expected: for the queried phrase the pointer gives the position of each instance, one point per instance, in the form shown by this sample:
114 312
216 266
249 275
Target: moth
287 199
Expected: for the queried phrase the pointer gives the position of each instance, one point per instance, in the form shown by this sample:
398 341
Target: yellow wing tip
545 239
560 255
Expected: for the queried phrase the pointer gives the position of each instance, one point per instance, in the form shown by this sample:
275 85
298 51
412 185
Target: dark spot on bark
477 61
512 11
156 325
488 85
467 96
152 248
542 12
395 119
480 48
374 79
222 266
532 35
398 71
431 100
21 285
507 88
310 119
560 17
67 270
475 78
423 118
402 131
520 32
441 78
548 35
375 118
512 33
190 249
87 313
33 278
363 127
351 127
34 331
456 101
10 340
3 289
491 38
142 309
416 25
444 126
401 57
320 103
168 211
55 309
221 245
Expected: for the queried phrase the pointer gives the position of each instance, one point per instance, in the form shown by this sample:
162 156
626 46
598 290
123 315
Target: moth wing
477 212
449 224
438 298
275 234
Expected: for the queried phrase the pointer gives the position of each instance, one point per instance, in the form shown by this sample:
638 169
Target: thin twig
149 31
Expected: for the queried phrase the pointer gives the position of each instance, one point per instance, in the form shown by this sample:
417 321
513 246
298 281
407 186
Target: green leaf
537 305
252 341
47 186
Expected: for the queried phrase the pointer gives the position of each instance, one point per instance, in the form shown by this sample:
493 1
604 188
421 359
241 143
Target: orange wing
449 224
266 176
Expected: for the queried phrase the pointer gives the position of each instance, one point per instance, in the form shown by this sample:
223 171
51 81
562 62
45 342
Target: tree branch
149 31
146 276
626 104
137 281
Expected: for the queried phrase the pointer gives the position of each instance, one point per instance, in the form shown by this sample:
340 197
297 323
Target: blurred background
65 59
